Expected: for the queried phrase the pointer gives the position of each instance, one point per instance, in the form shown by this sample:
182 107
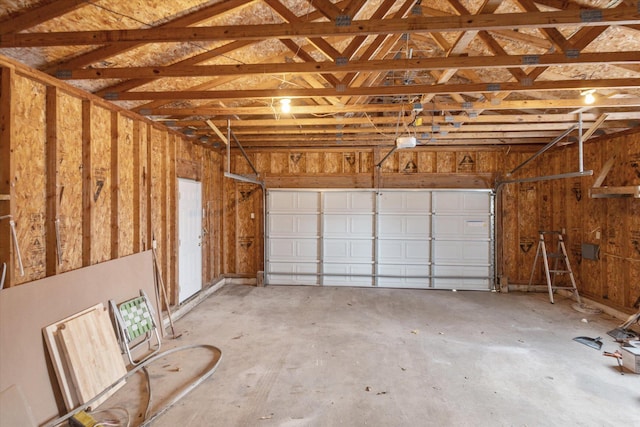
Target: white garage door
393 238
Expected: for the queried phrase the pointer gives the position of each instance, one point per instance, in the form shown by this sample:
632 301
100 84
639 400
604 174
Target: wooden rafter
375 90
433 106
618 16
453 72
41 13
115 49
457 62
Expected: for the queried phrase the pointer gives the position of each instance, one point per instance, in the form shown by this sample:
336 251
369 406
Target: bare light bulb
589 98
285 105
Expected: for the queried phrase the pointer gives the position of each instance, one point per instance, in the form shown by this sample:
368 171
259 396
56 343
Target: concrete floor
310 356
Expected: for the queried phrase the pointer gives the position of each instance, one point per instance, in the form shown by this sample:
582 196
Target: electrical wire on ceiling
377 128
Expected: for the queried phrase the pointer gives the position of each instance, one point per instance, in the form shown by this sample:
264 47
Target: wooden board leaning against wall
86 182
613 224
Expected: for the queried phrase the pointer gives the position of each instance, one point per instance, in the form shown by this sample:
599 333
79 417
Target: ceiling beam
375 108
617 16
547 85
484 130
42 12
484 118
137 81
458 62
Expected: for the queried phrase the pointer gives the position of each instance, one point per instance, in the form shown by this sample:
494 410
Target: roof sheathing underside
456 89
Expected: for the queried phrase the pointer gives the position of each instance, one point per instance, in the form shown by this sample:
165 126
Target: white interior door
189 238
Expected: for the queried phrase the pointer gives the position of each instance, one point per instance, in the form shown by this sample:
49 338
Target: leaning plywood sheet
59 362
26 309
92 354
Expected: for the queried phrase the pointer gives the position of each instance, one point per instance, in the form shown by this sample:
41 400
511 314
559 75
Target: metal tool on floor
618 356
560 257
591 342
623 332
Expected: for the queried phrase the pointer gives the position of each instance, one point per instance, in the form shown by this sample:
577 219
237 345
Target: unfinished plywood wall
68 175
28 189
85 182
421 167
565 204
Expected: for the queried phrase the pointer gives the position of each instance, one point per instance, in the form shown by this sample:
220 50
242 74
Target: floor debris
590 342
618 356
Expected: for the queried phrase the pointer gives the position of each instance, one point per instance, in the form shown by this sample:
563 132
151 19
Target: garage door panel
460 252
404 226
298 201
461 201
348 201
348 274
293 273
405 202
403 276
290 225
461 226
339 225
410 251
462 277
286 249
348 250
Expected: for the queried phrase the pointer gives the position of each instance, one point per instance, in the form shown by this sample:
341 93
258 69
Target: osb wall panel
527 227
230 224
124 186
332 162
208 227
69 169
611 223
6 127
215 209
420 167
109 177
29 178
592 212
157 213
509 251
248 208
143 178
100 184
171 206
189 162
426 162
446 162
242 165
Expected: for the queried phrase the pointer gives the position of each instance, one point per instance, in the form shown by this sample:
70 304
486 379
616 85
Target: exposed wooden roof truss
356 72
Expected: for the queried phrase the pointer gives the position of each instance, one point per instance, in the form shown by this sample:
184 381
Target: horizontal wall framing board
402 238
